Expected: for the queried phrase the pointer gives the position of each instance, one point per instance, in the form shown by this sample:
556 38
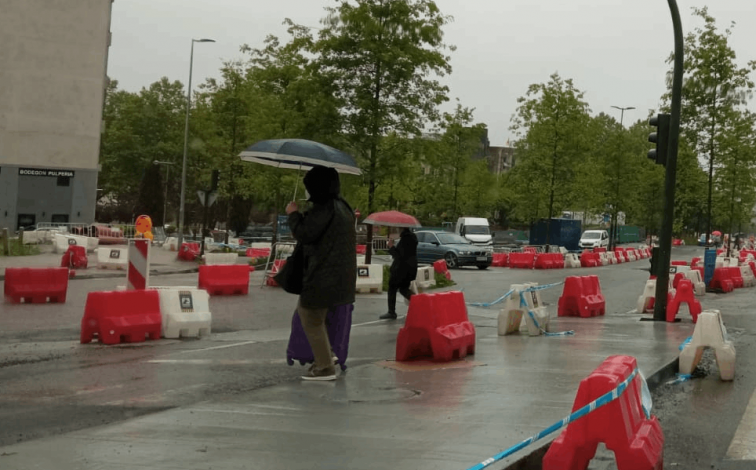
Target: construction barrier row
131 316
529 258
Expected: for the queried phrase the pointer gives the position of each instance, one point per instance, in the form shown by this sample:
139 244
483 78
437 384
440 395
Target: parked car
594 239
454 249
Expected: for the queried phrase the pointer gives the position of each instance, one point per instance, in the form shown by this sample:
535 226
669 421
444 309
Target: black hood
322 184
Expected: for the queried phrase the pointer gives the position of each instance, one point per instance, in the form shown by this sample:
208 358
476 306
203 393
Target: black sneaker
388 316
320 375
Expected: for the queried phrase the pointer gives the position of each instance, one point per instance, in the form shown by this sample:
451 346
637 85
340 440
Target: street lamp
186 142
615 213
167 173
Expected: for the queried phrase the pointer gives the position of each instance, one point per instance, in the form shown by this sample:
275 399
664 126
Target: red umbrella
716 233
392 219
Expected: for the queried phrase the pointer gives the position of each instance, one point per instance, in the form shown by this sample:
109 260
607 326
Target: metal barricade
380 244
277 252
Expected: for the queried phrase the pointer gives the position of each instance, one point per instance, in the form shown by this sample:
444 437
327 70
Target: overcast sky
614 50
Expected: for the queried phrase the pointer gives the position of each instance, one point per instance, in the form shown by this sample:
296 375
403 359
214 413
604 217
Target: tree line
369 82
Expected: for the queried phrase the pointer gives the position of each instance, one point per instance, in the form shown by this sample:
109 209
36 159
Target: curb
534 459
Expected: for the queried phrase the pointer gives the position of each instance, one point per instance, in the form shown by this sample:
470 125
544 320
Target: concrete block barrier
369 278
113 257
710 332
184 312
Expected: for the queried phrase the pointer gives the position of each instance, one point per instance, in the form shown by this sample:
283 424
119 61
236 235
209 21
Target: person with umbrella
330 267
403 270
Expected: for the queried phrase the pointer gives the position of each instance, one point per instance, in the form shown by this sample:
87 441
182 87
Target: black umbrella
298 154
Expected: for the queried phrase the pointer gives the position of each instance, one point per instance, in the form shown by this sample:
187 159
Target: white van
594 239
475 229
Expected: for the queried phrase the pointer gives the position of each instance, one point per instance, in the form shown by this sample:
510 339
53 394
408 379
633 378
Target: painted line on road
217 347
378 321
743 445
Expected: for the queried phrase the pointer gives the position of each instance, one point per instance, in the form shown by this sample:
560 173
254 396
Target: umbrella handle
296 183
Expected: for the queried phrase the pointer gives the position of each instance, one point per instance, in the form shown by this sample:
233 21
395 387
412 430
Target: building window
64 181
60 218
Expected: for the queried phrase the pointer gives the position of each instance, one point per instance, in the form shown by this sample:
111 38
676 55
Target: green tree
384 56
550 123
150 199
713 88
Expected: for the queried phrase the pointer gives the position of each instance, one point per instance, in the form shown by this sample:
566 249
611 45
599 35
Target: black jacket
404 266
330 264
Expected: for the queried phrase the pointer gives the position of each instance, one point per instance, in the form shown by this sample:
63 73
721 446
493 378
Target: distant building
500 159
53 65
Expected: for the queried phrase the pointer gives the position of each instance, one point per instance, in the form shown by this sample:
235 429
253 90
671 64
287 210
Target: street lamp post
167 176
186 142
615 213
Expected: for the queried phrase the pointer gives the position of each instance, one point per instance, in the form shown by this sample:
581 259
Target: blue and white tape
491 304
524 303
680 379
592 406
685 343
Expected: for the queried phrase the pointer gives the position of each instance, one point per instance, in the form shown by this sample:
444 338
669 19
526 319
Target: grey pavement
378 414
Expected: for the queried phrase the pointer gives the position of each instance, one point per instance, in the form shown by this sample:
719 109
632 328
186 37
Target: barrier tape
680 379
524 303
491 304
685 343
592 406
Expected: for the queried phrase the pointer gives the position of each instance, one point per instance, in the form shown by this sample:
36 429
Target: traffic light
660 138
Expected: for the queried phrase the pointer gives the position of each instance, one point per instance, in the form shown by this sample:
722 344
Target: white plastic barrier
510 317
426 277
262 245
360 259
748 279
113 257
604 259
699 287
710 332
571 260
645 304
185 312
221 258
630 254
170 244
612 257
369 278
62 242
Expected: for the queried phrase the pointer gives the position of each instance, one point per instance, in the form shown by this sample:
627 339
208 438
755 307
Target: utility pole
614 224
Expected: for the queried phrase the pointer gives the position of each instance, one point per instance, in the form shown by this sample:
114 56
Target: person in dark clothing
327 234
403 270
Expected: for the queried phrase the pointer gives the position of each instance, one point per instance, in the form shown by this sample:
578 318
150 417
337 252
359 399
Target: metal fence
88 230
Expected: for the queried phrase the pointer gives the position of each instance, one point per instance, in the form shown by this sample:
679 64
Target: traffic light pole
665 241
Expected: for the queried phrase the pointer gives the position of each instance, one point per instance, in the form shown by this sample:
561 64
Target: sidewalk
378 415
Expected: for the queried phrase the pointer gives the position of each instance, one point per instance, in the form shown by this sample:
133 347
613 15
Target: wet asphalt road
51 384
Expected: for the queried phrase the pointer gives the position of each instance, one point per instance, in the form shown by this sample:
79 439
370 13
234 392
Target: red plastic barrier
683 293
277 265
441 268
620 254
735 275
599 250
258 252
522 260
529 249
694 262
677 242
720 251
75 257
589 259
361 249
637 441
500 260
36 285
121 317
752 265
721 280
436 326
678 263
189 251
224 279
558 262
581 297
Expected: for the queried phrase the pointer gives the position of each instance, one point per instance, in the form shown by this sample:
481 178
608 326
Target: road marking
378 321
217 347
743 445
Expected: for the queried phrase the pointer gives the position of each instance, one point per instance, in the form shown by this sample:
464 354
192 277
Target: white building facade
53 65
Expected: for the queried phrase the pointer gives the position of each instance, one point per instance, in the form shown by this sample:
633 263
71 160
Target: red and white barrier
139 264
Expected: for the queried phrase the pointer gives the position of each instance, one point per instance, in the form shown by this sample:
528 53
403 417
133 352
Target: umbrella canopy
299 154
392 219
716 233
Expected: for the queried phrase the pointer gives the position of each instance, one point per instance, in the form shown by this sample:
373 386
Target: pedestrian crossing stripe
743 445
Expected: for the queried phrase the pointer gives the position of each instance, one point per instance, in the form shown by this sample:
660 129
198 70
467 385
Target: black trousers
393 289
